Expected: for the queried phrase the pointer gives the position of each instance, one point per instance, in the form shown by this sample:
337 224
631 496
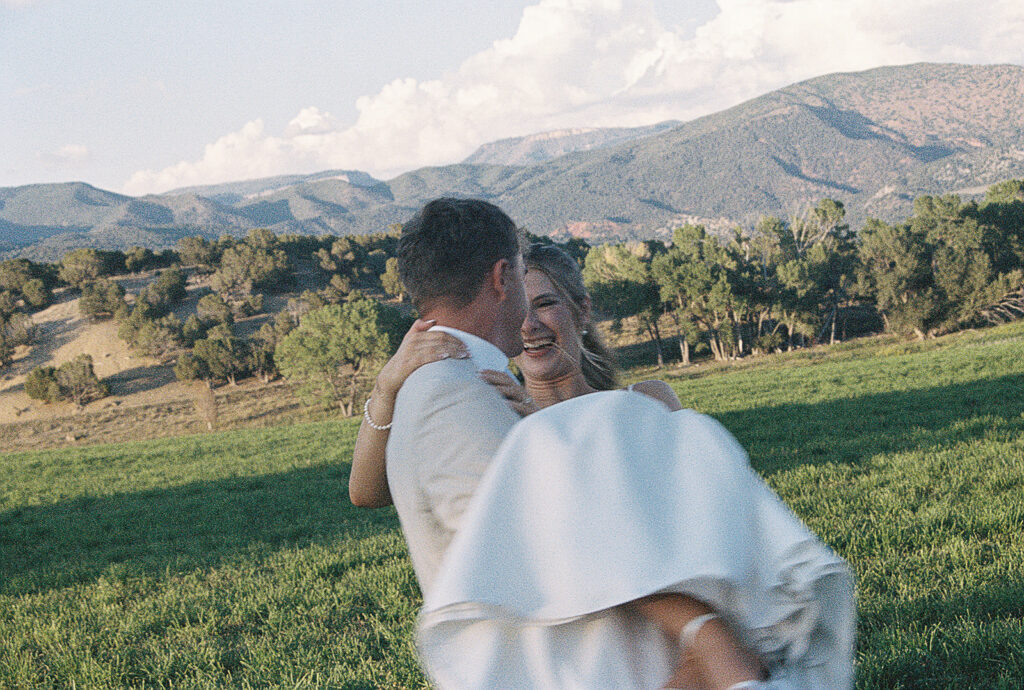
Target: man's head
462 258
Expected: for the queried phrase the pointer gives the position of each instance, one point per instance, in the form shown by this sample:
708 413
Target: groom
461 262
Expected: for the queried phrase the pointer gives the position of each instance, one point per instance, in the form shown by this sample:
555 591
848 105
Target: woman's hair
600 370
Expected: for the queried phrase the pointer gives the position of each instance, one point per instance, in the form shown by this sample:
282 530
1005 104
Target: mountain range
875 140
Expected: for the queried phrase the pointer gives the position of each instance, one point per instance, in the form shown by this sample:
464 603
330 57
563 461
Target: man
461 263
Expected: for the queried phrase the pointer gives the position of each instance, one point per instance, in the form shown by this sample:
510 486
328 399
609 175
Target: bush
36 294
41 384
78 383
212 309
101 299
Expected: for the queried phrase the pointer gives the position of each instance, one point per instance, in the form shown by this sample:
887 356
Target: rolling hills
874 140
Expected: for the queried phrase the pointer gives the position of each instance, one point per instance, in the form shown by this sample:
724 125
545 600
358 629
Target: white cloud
575 63
68 155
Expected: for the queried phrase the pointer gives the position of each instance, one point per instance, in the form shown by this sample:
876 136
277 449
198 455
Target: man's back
447 425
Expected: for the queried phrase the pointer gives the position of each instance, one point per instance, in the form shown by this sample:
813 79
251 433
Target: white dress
607 498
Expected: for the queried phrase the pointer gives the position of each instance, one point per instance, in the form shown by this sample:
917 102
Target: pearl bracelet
366 416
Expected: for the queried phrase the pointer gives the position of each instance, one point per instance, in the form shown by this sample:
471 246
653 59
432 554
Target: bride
594 486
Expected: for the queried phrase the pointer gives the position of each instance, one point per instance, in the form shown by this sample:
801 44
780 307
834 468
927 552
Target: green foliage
222 356
83 266
189 367
166 291
390 280
196 251
335 347
19 329
101 299
139 259
149 334
621 283
212 309
263 346
192 330
244 267
36 294
8 303
41 384
74 381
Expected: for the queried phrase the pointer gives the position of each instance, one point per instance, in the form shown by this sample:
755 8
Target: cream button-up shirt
447 425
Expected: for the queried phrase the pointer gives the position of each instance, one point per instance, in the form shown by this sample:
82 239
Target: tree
41 384
139 259
36 294
391 281
196 251
223 356
337 346
78 382
621 284
83 266
693 277
74 381
101 299
212 309
263 345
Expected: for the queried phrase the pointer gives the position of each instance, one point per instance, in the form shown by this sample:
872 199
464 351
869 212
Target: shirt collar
485 355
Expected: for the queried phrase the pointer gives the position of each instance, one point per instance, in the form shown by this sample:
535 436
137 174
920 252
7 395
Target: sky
144 96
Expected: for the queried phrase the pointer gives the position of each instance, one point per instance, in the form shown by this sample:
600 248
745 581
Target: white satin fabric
607 498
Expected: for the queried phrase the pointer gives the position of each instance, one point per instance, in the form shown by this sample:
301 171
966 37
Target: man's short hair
449 246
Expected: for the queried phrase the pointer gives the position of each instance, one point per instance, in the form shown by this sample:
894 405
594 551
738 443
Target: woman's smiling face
550 331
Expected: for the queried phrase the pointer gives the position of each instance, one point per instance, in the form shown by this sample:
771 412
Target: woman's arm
368 481
660 391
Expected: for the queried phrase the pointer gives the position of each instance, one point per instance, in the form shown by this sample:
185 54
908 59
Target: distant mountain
538 148
238 192
874 140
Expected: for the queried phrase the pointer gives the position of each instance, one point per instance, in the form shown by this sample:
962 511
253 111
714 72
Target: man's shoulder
437 376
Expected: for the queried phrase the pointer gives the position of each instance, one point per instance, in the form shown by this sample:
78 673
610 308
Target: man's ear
499 276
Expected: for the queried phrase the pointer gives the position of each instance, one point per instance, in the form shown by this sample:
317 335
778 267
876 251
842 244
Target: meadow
234 559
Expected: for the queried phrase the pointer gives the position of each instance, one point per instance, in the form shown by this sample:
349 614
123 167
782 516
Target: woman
563 359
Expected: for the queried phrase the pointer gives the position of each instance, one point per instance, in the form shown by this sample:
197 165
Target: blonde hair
600 370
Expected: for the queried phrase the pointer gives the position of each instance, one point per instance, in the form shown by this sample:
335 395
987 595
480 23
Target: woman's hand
517 397
419 346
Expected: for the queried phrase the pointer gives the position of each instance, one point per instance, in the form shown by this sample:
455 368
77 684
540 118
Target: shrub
101 299
78 383
41 384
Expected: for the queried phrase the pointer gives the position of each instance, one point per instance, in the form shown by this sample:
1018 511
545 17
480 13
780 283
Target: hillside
874 140
541 147
235 558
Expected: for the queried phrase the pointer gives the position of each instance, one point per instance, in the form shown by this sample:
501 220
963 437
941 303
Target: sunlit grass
234 559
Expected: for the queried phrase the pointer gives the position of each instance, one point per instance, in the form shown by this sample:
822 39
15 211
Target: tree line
789 283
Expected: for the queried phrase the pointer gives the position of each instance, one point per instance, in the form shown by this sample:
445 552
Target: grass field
234 559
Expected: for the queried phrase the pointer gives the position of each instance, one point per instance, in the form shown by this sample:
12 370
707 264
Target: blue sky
142 96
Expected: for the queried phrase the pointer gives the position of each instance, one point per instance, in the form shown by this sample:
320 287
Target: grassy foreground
234 559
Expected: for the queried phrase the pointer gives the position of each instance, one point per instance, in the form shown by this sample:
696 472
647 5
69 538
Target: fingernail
430 321
444 355
462 354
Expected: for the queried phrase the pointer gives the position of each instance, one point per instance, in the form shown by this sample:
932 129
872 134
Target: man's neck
467 320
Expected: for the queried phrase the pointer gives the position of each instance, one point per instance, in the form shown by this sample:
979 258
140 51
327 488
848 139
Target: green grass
235 559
